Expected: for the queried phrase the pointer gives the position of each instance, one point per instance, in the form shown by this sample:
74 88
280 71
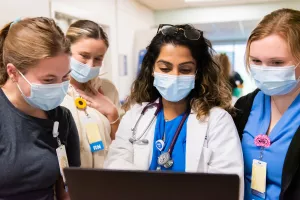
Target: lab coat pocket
141 156
205 159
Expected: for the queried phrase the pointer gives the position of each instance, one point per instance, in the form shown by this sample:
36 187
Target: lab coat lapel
196 132
144 152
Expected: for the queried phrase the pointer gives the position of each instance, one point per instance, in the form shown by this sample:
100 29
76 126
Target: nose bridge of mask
79 67
174 81
270 74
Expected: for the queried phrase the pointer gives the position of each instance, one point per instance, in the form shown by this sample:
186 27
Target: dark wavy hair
211 88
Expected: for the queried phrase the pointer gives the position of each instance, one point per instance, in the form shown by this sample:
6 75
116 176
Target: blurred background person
234 78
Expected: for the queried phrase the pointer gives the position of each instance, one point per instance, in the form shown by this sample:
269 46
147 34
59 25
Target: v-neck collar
285 118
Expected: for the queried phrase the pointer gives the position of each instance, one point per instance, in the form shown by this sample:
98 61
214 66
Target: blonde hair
87 29
26 42
283 22
225 64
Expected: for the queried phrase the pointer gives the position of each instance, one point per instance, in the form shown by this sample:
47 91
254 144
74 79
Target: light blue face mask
45 96
174 88
82 72
275 80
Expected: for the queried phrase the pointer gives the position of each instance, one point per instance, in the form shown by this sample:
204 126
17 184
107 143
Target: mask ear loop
24 78
298 79
27 82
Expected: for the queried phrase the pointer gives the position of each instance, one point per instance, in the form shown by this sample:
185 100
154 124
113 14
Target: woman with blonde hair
93 101
178 118
269 118
36 134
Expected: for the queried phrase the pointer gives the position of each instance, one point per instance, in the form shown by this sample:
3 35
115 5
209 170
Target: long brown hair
211 89
224 61
26 42
283 22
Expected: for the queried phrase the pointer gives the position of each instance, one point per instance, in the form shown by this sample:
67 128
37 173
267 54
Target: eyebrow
84 52
168 63
188 62
274 58
165 62
53 76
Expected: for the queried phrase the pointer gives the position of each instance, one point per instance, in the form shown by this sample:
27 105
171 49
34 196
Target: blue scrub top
169 128
280 136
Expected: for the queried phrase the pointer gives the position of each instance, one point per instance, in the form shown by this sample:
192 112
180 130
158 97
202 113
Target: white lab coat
220 153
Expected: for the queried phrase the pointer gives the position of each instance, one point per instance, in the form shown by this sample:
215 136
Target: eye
98 59
185 71
85 56
277 63
48 81
165 70
256 61
66 78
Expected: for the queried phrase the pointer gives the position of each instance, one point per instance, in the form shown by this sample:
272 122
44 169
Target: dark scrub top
28 161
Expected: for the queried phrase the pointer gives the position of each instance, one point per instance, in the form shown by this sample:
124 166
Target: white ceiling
177 4
238 30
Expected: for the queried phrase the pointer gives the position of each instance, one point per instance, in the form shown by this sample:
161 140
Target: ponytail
3 72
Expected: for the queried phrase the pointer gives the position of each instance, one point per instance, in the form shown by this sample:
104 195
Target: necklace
276 106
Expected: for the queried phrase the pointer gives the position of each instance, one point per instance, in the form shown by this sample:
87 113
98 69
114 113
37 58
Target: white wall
13 9
132 17
122 18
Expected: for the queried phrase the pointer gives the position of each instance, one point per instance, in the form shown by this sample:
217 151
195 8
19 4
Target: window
236 54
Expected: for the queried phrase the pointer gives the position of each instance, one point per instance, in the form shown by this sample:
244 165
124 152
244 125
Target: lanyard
263 141
55 132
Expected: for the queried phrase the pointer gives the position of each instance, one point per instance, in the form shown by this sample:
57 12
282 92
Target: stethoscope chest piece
165 160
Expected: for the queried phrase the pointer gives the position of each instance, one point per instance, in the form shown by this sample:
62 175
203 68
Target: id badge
62 159
258 179
94 137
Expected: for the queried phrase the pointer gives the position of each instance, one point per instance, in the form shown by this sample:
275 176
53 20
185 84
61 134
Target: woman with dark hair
177 117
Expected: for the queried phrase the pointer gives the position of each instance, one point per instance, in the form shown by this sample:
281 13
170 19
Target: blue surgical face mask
275 80
174 88
82 72
45 96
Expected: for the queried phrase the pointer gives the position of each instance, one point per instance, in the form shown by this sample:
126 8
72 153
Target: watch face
163 158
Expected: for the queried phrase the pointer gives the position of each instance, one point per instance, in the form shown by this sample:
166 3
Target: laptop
88 184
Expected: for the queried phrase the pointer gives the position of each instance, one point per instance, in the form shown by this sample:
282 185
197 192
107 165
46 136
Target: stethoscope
138 140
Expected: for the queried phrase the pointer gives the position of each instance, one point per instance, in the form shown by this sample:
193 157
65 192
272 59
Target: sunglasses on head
189 32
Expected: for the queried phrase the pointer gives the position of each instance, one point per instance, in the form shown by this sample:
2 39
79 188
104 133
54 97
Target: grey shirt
28 161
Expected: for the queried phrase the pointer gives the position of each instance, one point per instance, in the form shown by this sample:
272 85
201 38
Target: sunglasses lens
192 34
168 30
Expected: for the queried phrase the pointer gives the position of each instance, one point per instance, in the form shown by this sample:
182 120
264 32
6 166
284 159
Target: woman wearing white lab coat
182 83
